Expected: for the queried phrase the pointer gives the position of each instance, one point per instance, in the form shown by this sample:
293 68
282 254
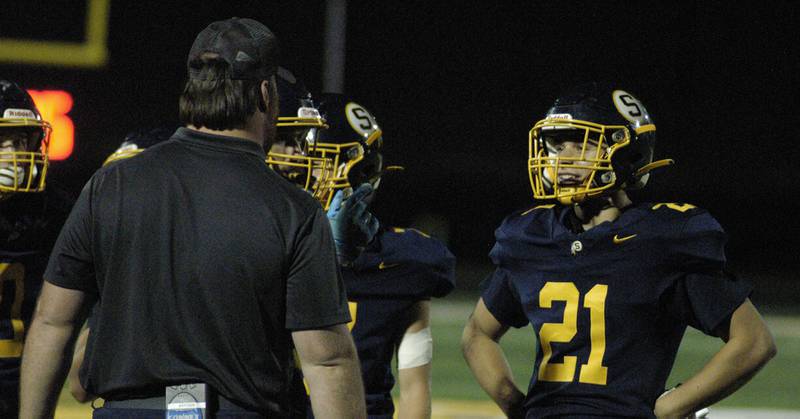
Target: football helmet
24 141
352 141
137 141
299 124
613 136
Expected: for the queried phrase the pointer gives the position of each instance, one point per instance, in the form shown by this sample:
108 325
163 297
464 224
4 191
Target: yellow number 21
592 372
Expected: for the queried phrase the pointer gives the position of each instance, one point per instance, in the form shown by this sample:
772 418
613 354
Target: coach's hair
215 101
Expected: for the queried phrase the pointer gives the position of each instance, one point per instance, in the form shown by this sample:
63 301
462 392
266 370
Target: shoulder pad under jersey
693 236
402 263
523 230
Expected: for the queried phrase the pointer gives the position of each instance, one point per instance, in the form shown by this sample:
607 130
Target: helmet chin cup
576 195
569 196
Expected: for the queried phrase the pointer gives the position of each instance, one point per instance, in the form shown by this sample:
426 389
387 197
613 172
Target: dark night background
457 85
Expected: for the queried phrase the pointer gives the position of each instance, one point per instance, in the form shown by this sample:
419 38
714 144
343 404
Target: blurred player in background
391 281
137 141
609 285
30 219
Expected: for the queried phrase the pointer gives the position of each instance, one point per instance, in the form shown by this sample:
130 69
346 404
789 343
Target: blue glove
352 225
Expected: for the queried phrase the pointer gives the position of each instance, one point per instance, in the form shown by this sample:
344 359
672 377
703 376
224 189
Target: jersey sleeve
71 263
433 266
701 293
700 245
402 263
502 299
315 295
515 235
706 301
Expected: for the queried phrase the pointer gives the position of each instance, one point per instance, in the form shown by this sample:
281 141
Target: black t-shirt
204 261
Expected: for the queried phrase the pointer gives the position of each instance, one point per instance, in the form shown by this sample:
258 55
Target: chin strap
581 197
654 165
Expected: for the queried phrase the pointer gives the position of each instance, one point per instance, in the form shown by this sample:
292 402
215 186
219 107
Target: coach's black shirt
204 261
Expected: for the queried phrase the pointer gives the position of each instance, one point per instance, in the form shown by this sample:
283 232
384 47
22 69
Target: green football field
457 395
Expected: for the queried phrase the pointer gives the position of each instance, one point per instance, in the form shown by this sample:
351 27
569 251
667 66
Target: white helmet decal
14 113
360 119
629 107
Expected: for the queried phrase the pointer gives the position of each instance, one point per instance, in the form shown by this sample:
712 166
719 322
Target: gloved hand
353 226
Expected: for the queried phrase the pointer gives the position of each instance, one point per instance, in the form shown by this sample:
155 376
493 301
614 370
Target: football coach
208 269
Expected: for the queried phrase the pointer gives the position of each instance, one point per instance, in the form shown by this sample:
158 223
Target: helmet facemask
23 155
354 164
294 155
571 160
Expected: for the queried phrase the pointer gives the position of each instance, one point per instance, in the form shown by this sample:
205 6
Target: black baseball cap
248 46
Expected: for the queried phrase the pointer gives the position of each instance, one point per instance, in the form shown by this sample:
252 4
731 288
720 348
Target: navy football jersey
399 268
609 306
29 225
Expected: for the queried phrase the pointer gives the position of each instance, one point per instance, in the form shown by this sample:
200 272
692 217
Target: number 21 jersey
609 306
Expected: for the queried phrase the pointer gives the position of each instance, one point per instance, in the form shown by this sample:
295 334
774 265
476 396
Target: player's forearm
729 369
490 367
43 368
336 390
415 405
415 392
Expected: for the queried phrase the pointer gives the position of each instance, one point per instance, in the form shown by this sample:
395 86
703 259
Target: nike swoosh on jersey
383 265
618 239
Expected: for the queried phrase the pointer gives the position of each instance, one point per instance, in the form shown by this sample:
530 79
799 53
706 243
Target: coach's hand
352 225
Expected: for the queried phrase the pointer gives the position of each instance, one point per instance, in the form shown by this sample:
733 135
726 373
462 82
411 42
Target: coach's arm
331 369
488 363
44 360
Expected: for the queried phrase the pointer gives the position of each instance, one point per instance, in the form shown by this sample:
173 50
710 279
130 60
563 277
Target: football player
137 141
30 219
390 284
608 285
296 157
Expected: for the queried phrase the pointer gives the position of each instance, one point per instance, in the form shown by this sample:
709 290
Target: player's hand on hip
663 409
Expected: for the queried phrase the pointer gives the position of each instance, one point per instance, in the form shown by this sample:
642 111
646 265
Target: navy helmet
137 141
617 134
25 139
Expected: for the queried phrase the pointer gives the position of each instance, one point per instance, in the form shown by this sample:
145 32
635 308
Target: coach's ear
264 97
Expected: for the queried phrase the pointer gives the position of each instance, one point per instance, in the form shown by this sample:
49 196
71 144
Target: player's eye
16 140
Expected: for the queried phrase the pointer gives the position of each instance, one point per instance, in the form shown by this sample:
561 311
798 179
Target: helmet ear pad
628 160
367 170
